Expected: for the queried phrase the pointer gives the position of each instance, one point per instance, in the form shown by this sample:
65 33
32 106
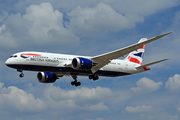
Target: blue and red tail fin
137 56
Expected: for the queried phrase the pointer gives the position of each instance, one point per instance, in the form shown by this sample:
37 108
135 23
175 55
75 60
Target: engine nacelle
45 77
80 63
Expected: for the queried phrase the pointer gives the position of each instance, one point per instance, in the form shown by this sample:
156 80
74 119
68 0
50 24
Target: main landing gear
21 75
75 82
94 77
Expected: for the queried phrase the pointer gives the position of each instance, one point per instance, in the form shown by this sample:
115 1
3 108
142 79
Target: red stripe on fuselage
134 60
31 54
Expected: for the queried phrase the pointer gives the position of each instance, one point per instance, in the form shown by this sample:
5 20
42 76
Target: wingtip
170 32
167 33
162 35
166 59
163 60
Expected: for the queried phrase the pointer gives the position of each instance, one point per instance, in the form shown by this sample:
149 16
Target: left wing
106 58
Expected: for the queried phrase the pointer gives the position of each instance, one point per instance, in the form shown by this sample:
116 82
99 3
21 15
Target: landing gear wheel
75 82
95 78
21 75
91 77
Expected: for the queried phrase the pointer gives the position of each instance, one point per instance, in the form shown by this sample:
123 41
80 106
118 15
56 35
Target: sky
91 27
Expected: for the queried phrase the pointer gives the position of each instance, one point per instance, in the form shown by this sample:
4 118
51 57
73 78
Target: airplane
52 66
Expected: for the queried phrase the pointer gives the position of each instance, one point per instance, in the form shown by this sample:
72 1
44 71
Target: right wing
106 58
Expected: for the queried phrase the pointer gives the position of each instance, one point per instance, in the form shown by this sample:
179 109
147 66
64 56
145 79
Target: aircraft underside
61 71
67 70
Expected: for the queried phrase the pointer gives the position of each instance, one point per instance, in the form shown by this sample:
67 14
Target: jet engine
45 77
80 63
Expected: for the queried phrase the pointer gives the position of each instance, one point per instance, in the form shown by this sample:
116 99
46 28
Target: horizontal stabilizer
150 63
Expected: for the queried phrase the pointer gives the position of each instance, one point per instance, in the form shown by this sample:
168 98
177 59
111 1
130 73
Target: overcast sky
91 27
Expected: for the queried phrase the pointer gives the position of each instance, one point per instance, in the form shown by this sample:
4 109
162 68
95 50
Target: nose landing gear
21 75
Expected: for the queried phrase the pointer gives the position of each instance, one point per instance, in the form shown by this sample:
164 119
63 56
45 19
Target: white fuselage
60 64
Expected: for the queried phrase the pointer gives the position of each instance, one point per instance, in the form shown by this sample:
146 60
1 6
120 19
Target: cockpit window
13 56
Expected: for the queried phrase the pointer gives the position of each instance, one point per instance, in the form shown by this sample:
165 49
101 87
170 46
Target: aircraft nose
7 62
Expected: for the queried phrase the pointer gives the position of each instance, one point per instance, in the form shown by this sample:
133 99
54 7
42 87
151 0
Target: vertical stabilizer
137 56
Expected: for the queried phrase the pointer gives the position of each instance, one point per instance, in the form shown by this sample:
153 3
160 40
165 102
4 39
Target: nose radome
7 62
